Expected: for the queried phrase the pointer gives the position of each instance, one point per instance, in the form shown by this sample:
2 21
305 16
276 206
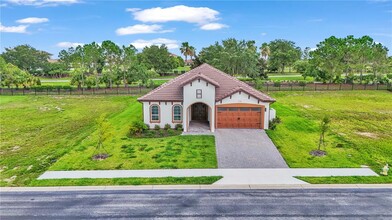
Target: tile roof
199 76
228 85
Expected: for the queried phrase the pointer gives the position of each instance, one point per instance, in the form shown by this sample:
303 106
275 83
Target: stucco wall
245 99
208 98
165 113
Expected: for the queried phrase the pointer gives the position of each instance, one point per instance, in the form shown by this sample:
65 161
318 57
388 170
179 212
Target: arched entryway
199 118
199 112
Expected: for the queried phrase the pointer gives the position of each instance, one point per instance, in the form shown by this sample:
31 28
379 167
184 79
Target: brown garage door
239 117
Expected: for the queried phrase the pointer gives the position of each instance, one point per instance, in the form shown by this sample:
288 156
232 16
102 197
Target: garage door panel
239 117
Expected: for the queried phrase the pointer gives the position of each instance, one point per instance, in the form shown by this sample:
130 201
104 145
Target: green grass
127 181
361 122
183 68
347 180
144 153
159 82
290 78
58 132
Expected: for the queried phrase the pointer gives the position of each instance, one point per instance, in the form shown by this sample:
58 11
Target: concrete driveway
246 148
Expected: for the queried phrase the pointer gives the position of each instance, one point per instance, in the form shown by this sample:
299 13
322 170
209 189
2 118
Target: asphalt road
197 204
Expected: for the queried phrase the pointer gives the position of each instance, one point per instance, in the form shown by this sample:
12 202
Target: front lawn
58 132
361 125
144 153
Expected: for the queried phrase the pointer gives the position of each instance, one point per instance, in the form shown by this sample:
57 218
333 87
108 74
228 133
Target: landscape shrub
276 84
167 127
274 122
137 128
50 87
170 132
246 79
150 84
258 84
178 127
157 127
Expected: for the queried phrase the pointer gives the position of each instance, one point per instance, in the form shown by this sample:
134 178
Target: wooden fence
268 87
75 91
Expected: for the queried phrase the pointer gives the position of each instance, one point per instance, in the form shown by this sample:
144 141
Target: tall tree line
348 56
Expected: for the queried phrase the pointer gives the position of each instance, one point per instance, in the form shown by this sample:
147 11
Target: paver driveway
246 148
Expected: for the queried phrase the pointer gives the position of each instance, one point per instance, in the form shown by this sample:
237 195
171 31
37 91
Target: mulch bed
318 153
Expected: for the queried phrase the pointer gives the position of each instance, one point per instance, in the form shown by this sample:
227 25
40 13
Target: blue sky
52 25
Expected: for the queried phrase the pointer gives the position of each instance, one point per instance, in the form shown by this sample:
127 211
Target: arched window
154 113
177 113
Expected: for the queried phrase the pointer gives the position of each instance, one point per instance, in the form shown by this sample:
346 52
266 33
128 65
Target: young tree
104 133
324 126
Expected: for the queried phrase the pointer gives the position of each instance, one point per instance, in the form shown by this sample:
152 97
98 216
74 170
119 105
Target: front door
199 112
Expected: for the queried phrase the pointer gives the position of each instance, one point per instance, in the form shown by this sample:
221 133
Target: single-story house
206 94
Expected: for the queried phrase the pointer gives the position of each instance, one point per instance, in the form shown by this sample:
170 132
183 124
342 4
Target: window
177 113
222 109
154 113
198 93
256 109
233 109
244 109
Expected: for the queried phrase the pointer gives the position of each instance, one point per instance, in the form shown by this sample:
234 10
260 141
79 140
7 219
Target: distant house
188 62
208 95
53 60
173 55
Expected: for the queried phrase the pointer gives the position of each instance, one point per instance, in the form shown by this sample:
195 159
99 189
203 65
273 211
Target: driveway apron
246 148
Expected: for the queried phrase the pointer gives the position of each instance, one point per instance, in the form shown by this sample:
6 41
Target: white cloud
140 44
133 9
68 44
213 26
43 2
141 29
3 5
263 34
21 29
197 15
32 20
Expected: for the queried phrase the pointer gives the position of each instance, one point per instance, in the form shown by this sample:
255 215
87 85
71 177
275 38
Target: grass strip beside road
127 181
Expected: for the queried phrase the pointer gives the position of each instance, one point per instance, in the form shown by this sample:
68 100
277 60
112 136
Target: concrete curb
194 187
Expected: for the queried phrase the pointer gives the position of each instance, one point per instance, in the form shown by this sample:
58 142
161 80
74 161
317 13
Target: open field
57 132
361 122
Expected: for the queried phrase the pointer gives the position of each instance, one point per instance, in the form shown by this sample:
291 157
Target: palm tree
192 51
185 49
265 51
